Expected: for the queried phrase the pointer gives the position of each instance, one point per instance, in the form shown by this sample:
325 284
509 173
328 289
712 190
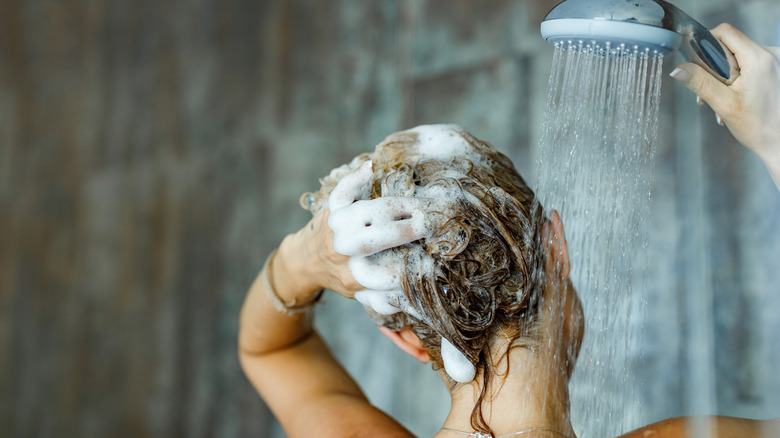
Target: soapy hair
487 275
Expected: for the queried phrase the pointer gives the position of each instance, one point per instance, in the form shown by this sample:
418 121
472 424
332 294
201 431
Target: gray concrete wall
152 154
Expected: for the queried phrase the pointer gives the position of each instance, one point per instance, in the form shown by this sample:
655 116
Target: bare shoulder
669 428
723 427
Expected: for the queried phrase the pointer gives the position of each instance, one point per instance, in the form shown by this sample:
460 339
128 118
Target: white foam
456 364
388 297
388 302
381 271
339 172
352 186
441 142
369 226
380 301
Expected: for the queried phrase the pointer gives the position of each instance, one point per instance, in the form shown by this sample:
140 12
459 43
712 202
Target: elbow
244 353
244 359
248 346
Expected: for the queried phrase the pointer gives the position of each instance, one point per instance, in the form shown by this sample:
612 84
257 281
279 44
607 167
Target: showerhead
655 26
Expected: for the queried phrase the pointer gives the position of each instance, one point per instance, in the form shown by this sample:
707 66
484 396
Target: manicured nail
699 100
680 75
720 121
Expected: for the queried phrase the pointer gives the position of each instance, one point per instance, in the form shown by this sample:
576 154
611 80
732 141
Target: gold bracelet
287 308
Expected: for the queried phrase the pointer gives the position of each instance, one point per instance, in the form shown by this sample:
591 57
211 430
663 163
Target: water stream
595 166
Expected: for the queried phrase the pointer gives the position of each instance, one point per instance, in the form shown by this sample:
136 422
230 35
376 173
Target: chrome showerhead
652 25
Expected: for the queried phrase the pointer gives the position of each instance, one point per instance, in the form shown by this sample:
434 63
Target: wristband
287 308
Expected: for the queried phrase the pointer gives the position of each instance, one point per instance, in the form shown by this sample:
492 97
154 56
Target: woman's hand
308 259
334 248
750 106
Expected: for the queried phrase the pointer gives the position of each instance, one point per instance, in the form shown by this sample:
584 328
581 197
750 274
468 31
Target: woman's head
479 271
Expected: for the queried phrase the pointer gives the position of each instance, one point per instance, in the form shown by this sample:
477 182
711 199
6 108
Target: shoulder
669 428
723 427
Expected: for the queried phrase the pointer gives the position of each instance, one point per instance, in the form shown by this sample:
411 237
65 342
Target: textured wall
152 154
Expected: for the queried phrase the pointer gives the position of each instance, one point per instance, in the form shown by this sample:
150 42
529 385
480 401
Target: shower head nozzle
655 26
609 34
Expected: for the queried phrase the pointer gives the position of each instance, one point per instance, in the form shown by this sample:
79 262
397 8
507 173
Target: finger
775 51
350 187
710 89
735 40
381 271
366 241
388 210
383 302
367 227
389 302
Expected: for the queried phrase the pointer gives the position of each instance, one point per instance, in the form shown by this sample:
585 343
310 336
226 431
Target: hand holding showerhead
654 26
750 106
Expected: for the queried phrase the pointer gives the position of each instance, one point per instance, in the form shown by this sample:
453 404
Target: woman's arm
286 361
290 366
304 263
750 106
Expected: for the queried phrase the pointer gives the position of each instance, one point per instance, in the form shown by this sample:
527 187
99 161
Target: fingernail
680 75
720 121
699 100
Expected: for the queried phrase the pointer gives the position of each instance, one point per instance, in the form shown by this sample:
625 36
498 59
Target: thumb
698 80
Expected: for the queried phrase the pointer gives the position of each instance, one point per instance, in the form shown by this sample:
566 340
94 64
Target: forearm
287 362
772 162
263 328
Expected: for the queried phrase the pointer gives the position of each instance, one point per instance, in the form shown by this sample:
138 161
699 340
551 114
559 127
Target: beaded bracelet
287 308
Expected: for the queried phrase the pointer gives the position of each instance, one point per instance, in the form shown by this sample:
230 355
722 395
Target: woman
503 330
447 247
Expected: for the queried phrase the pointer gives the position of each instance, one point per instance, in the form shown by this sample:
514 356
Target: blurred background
152 154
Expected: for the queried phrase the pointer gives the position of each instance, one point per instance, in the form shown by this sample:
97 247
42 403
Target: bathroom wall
152 154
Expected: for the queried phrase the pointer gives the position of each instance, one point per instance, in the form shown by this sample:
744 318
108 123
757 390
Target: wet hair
487 274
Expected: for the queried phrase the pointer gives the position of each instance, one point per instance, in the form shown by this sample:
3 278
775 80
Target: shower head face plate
607 35
652 25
